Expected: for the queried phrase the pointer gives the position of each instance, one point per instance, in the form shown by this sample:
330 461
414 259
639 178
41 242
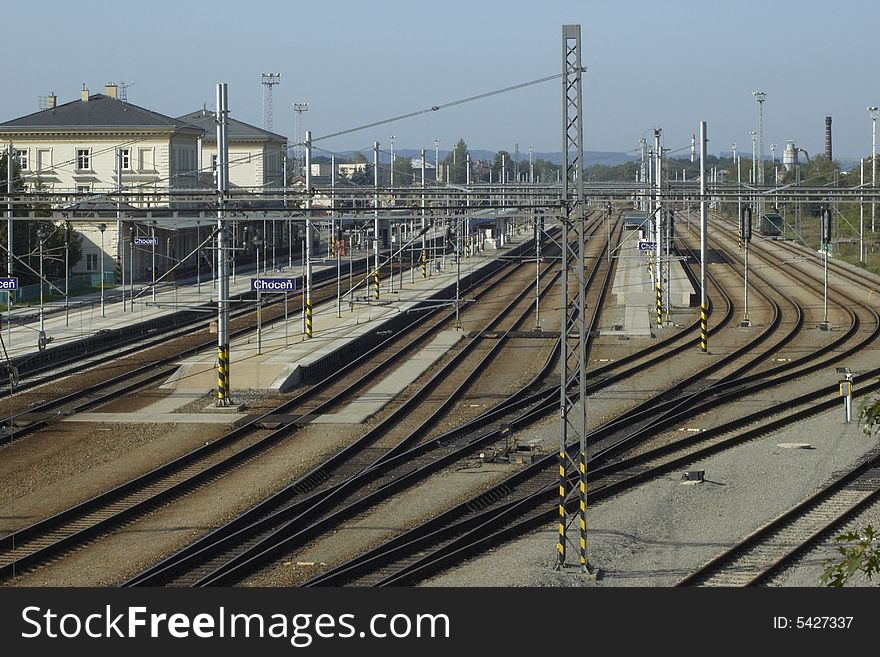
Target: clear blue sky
666 64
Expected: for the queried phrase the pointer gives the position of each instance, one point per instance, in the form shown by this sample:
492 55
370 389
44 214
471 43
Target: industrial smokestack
828 138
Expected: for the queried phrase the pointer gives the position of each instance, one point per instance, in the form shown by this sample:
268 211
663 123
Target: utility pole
775 178
861 211
745 223
704 303
531 168
643 173
308 254
738 189
873 112
10 151
573 400
298 109
516 162
424 218
268 80
658 214
760 96
224 391
120 243
391 139
376 219
826 240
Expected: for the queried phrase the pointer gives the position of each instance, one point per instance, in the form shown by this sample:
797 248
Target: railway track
109 346
39 542
510 509
754 559
329 482
138 346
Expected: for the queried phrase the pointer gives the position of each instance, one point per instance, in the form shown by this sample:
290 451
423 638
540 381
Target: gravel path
654 534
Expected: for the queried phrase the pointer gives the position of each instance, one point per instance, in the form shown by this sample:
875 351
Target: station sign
273 284
146 241
9 283
647 246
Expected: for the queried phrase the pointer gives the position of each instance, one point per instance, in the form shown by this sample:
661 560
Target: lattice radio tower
269 80
299 148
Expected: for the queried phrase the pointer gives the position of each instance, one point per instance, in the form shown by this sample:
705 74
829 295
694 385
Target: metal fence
78 284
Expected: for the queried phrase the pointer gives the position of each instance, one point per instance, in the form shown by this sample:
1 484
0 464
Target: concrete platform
84 317
284 352
633 293
392 385
141 417
681 291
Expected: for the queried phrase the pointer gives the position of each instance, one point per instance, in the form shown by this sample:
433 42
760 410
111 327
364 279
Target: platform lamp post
102 228
258 241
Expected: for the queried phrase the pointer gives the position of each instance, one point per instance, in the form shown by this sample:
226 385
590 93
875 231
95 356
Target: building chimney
110 90
51 101
828 138
84 94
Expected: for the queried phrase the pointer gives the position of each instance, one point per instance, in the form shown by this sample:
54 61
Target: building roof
238 130
100 112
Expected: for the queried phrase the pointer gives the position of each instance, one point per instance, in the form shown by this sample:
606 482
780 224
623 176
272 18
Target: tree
403 170
363 176
457 162
502 156
860 551
26 244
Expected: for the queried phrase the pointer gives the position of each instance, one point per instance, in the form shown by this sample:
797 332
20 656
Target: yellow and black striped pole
659 303
376 283
704 328
560 544
308 317
223 375
583 510
424 264
118 270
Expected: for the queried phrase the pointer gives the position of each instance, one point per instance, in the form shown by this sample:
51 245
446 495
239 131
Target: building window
83 159
145 159
44 159
83 189
214 162
125 155
91 262
22 156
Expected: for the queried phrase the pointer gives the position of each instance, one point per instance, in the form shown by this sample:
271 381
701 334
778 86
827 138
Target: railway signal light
745 226
826 226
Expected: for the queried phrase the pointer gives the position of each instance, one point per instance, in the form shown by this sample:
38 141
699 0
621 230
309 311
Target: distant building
789 156
73 148
255 155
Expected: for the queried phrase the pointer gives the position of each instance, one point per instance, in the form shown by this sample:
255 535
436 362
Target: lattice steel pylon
573 408
269 80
